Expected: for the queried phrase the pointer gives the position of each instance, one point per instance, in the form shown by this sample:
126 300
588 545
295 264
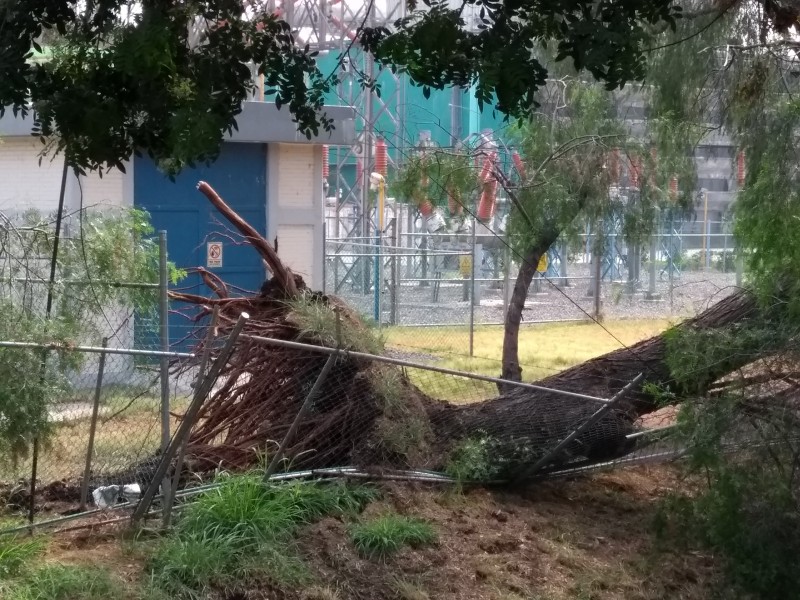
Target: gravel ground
685 296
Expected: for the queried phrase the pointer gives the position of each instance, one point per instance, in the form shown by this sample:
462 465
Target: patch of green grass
544 349
15 552
242 532
66 582
386 534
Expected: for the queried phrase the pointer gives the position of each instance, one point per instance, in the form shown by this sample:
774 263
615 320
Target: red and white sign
214 255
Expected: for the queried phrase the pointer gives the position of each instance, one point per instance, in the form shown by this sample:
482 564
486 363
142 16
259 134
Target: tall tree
169 78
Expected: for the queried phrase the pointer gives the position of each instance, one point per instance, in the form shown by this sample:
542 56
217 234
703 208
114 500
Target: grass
319 321
388 533
66 582
15 552
544 349
242 532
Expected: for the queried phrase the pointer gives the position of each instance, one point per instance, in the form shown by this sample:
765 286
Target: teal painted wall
433 114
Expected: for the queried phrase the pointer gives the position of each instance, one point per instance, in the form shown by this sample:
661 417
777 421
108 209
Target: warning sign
214 255
542 266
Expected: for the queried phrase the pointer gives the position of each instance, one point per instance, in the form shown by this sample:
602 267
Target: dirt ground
588 538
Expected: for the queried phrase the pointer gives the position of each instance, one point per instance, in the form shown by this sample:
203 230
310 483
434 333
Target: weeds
242 532
387 534
471 461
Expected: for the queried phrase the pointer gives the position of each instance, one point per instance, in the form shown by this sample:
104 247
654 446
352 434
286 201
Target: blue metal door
239 175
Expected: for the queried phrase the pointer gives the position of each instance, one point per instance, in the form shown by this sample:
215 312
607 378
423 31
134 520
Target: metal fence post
395 267
652 294
163 309
87 469
201 392
598 268
472 289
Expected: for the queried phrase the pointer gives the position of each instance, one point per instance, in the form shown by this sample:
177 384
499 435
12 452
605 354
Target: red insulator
635 171
486 171
613 166
518 163
453 205
740 168
426 208
326 169
488 200
673 187
651 178
381 157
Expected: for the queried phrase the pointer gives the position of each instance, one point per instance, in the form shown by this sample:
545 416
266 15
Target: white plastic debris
110 495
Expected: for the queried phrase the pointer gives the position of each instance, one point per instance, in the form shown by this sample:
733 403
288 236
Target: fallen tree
371 414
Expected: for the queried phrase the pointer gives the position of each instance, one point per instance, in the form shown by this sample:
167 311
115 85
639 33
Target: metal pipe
95 349
114 284
87 469
472 276
405 363
201 371
163 310
48 311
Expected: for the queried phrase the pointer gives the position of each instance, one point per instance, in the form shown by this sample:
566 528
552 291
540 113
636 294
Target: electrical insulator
488 200
326 170
426 208
613 166
381 157
740 166
453 205
486 171
651 178
360 172
635 169
673 187
518 163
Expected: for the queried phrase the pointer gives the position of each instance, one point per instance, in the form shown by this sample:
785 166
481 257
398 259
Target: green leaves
117 86
437 48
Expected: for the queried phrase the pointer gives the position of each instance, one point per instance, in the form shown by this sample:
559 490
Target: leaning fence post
594 418
189 418
93 427
210 335
287 439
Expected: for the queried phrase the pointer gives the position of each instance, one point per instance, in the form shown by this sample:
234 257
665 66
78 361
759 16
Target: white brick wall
30 185
297 182
26 184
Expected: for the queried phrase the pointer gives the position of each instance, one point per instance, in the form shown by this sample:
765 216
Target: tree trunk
530 261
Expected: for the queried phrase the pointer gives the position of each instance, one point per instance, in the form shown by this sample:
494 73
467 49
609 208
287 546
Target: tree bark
516 304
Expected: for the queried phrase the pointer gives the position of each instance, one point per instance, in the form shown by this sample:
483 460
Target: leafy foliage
112 248
167 79
65 582
500 55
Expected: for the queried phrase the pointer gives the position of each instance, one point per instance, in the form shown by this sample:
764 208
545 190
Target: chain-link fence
88 396
445 283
